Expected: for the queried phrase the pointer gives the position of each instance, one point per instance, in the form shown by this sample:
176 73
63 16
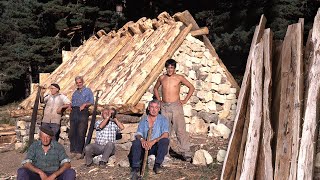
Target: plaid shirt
48 162
107 134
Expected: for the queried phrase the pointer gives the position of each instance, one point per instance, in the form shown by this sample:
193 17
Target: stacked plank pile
275 130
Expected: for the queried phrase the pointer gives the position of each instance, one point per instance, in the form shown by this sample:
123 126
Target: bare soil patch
177 169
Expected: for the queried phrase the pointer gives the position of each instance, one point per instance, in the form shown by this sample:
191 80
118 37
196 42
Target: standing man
158 143
82 99
107 129
172 106
54 104
46 159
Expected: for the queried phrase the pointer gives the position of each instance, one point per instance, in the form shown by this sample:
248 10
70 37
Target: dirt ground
176 169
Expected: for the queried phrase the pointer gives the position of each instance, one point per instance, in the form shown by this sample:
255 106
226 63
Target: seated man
46 159
159 142
107 129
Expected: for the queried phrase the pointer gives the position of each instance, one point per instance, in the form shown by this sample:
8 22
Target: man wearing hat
54 104
46 159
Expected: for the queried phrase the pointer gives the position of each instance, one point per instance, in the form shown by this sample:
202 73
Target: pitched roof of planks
125 62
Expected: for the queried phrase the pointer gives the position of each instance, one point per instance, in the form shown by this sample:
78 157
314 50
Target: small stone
124 163
202 157
111 161
221 155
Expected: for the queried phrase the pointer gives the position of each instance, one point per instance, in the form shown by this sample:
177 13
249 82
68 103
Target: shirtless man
172 105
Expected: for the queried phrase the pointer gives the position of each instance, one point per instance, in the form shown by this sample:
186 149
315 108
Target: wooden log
104 76
117 78
153 58
101 33
153 75
264 167
135 29
291 104
43 77
187 19
128 119
311 115
66 55
254 131
200 32
230 162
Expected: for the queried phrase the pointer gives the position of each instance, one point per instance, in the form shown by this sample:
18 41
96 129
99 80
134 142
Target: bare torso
170 88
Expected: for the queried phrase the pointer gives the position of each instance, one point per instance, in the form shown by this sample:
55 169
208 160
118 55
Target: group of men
47 159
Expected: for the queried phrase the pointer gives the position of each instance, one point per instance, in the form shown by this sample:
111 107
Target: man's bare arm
156 88
119 124
190 86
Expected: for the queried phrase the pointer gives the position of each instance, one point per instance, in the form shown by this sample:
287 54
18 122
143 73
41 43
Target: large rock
202 157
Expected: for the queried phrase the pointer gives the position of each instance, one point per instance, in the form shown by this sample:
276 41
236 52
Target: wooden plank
291 104
253 138
134 99
230 162
276 93
311 115
297 56
243 142
264 167
187 19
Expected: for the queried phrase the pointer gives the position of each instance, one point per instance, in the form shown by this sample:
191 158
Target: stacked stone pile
213 104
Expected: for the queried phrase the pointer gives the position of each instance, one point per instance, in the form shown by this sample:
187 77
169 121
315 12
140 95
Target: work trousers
26 174
78 129
159 149
92 150
174 113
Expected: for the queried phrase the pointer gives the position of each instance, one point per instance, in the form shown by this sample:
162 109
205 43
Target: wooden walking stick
34 116
145 158
92 123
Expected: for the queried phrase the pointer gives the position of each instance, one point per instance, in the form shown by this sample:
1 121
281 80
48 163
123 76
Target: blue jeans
159 149
26 174
78 129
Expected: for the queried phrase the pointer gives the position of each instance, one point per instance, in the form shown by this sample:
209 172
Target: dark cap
56 85
46 130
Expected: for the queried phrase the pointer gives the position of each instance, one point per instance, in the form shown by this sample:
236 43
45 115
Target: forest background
34 32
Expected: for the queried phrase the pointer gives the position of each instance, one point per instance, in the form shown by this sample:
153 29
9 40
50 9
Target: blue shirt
160 126
82 96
